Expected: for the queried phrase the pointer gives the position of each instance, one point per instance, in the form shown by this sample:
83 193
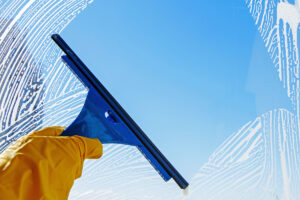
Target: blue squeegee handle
122 113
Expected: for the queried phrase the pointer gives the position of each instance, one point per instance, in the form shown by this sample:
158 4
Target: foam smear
278 23
186 191
36 89
122 173
261 160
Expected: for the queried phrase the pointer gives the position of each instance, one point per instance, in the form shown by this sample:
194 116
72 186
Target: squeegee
103 117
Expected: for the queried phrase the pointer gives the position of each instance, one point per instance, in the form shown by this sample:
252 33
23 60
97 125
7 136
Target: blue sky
190 73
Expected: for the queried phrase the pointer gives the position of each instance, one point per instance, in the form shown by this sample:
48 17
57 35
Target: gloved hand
44 165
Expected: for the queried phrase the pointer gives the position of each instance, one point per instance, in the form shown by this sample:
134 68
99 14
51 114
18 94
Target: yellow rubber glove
44 165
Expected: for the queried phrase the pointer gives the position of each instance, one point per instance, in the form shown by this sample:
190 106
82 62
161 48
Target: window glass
214 84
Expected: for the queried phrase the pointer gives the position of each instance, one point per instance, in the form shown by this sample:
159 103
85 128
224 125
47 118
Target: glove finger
90 148
49 131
